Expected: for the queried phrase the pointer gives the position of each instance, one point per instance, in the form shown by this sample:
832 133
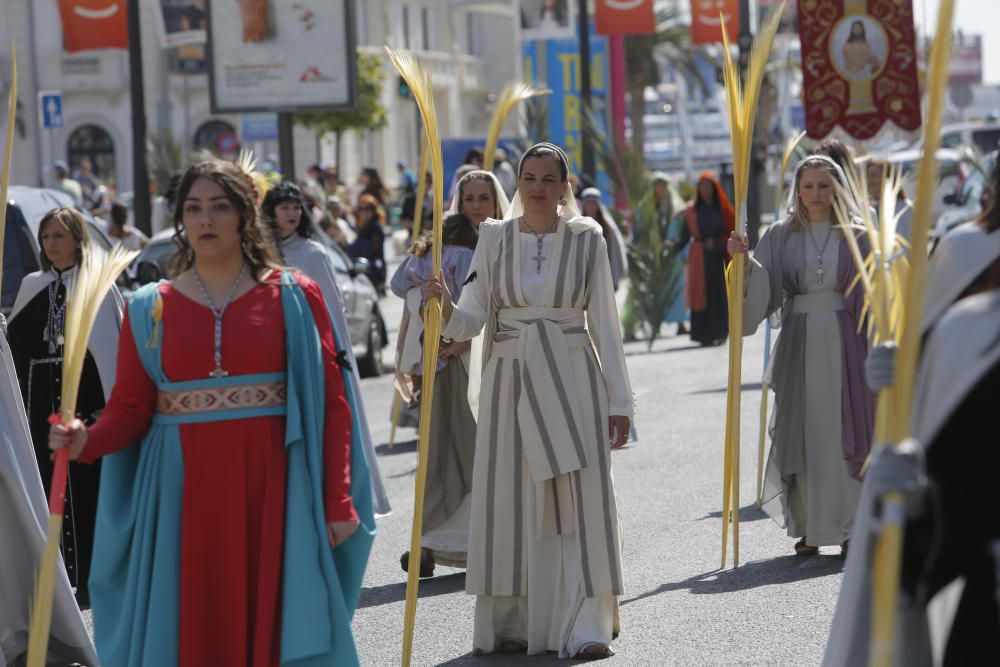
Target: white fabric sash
548 409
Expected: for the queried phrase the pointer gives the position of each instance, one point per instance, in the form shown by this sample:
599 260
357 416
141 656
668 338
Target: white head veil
501 197
568 208
843 190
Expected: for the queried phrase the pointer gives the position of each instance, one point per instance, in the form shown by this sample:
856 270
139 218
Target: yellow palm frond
513 94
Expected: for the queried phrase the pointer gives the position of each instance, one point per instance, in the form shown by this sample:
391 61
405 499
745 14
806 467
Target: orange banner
706 22
93 24
624 17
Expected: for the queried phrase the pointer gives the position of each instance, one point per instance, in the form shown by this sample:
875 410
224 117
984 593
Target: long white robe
545 547
310 258
23 522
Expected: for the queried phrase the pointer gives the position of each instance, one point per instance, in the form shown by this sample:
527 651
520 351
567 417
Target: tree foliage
370 114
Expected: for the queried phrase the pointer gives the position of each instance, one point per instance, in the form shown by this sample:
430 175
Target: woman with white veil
478 196
544 559
824 411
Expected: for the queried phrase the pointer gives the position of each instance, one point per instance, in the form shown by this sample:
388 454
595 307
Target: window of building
92 144
406 26
425 27
217 136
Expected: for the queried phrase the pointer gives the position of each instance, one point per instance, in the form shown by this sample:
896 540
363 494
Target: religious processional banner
859 66
555 64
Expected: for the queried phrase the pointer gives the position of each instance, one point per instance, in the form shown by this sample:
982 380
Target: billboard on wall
547 19
182 22
555 63
263 57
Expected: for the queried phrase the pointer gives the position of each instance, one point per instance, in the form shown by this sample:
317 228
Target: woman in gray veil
824 411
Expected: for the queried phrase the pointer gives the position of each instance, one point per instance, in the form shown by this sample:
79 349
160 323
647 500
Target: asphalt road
679 607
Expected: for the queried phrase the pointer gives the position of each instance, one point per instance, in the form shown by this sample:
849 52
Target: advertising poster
625 17
859 66
556 65
270 55
182 22
548 19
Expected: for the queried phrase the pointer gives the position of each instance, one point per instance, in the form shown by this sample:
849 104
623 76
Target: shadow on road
377 596
643 353
748 513
719 390
776 571
551 658
407 447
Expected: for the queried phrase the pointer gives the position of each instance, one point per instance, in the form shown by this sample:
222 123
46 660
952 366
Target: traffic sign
50 109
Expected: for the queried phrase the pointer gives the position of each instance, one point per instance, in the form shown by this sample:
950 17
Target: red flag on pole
859 66
706 22
93 24
624 17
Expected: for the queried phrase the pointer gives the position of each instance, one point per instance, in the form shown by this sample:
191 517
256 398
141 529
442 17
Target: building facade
468 45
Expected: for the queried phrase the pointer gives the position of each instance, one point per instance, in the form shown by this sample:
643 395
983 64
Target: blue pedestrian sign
50 108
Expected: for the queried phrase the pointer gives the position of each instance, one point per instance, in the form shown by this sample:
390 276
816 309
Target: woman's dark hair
286 191
458 230
375 187
73 222
119 214
473 156
257 243
378 212
989 219
545 150
857 38
836 150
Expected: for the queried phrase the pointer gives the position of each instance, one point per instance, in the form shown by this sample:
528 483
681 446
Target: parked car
984 135
25 209
364 320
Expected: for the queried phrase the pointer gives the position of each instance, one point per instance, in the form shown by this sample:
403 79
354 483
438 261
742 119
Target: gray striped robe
543 409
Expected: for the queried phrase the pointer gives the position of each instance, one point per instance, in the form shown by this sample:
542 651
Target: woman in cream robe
545 547
824 411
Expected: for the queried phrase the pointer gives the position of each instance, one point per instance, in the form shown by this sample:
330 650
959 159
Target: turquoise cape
134 580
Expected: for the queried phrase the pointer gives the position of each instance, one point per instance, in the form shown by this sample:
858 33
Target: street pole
140 176
583 27
753 190
286 145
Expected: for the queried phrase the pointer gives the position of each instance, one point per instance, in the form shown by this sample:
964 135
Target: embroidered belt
230 396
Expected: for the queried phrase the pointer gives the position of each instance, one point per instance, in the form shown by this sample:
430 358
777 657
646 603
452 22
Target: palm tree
671 43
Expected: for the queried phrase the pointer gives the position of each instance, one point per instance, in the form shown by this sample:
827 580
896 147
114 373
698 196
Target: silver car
367 328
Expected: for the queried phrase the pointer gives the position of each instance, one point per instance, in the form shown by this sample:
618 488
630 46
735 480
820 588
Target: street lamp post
583 28
140 174
753 189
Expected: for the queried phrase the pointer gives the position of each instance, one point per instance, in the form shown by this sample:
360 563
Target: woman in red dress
223 353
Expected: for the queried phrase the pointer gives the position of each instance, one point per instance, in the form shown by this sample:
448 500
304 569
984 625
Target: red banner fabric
93 24
859 66
706 20
624 17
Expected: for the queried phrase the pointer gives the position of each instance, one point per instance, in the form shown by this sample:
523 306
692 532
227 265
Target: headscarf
843 192
695 289
567 210
501 197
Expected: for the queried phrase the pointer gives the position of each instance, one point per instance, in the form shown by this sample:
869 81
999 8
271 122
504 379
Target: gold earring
562 201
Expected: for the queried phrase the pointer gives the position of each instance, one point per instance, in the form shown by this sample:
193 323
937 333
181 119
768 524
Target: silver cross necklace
218 371
820 271
539 238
